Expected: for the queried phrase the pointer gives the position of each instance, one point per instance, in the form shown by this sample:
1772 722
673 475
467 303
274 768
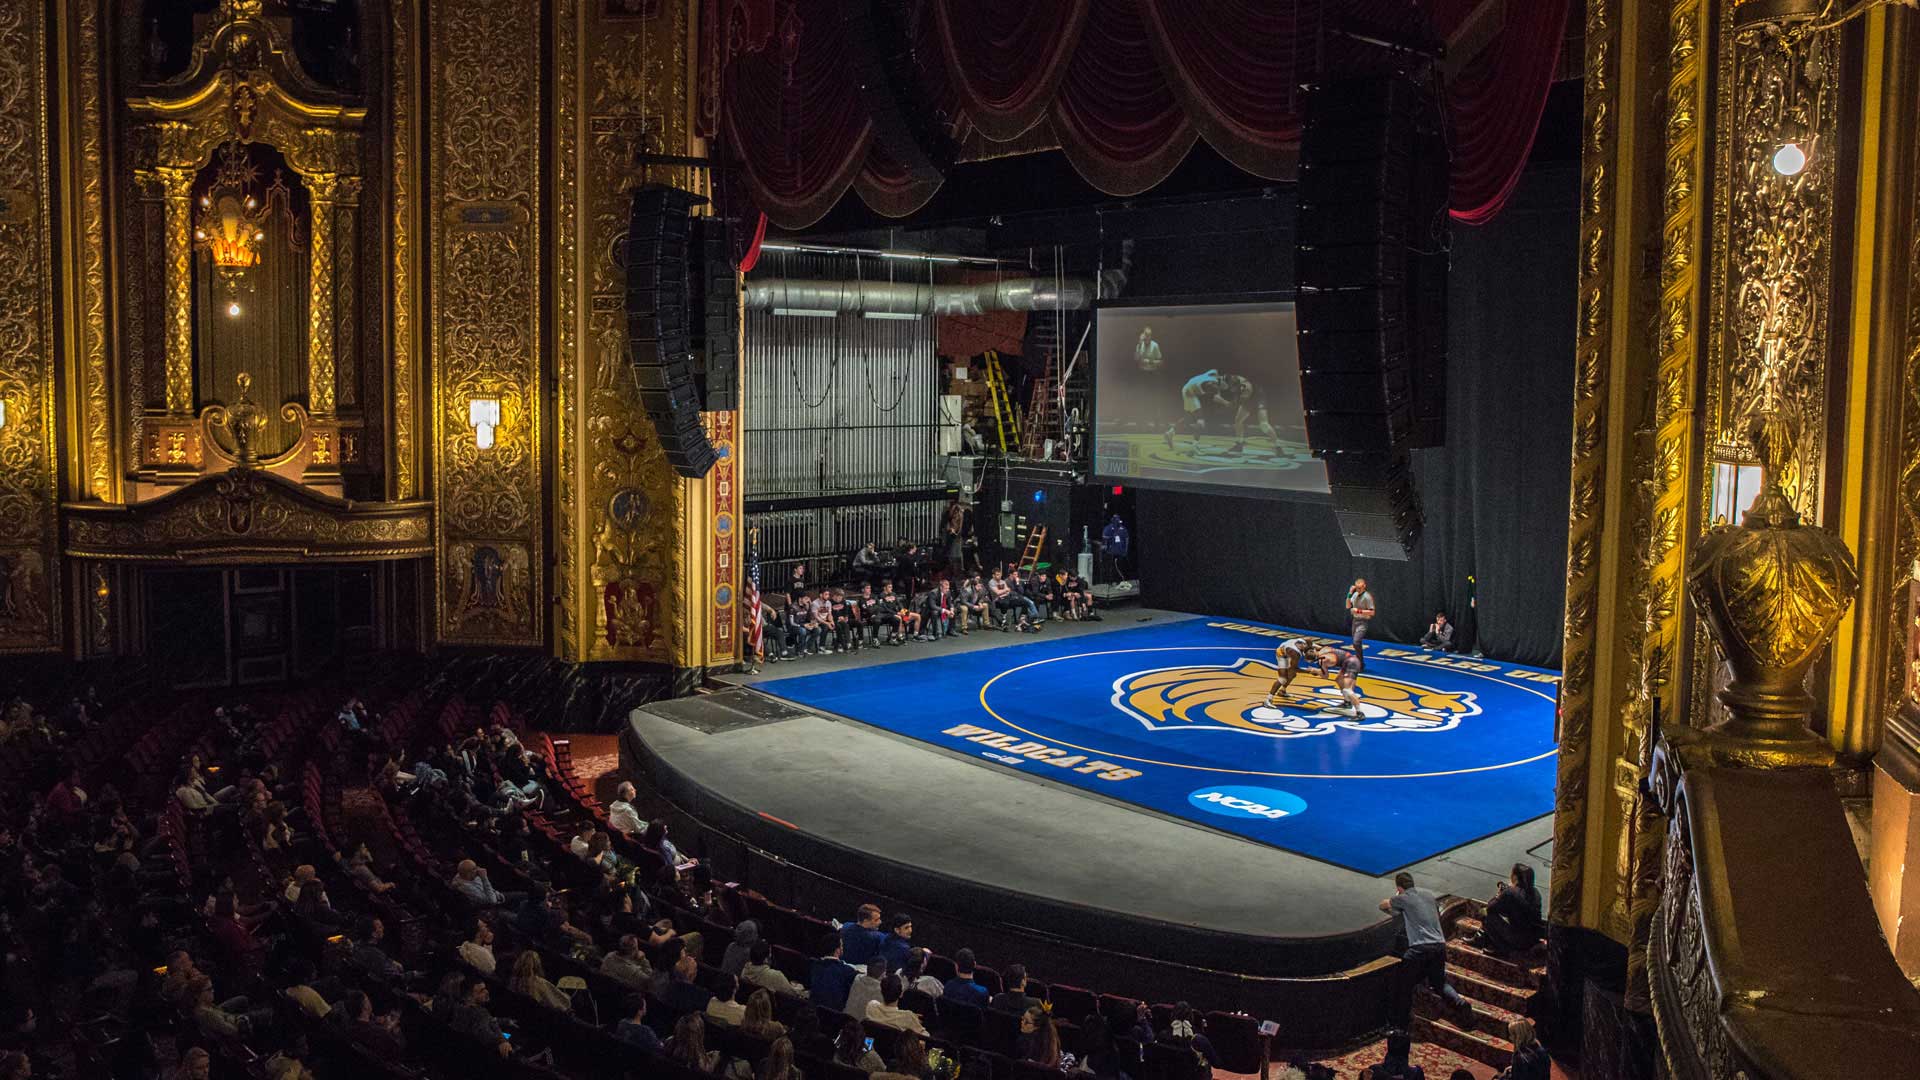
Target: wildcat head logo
1231 697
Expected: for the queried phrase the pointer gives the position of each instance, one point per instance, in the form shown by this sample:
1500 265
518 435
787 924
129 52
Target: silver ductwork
918 298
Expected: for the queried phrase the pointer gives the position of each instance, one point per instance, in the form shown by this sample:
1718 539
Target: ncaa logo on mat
1270 804
1232 697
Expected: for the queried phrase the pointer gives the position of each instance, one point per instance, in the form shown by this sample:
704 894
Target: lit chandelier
231 216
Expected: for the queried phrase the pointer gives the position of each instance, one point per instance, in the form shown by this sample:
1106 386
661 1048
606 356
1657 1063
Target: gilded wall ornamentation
723 501
1771 358
1585 521
483 107
403 369
29 571
1905 617
94 367
620 89
251 515
322 380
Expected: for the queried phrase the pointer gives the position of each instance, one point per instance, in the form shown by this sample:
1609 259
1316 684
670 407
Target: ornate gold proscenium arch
243 83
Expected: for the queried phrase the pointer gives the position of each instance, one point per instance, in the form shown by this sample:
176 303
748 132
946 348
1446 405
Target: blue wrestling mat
1170 717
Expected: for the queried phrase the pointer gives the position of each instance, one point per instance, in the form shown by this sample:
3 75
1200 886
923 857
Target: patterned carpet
596 758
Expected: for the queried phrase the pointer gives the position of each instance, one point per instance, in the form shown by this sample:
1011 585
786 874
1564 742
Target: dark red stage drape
794 115
1125 85
1494 106
1234 66
1007 57
1116 118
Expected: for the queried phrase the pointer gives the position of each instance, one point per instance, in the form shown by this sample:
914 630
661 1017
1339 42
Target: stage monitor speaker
1371 271
661 264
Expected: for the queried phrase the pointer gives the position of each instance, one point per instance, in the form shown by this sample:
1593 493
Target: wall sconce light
484 415
233 309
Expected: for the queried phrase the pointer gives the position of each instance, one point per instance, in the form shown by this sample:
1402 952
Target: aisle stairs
1500 989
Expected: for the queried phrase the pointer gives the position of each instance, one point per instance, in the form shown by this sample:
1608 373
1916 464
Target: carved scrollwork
29 595
247 513
483 107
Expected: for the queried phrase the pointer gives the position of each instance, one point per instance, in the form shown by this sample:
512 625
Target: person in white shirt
582 843
866 987
471 882
621 814
887 1010
627 965
760 971
914 976
721 1008
477 951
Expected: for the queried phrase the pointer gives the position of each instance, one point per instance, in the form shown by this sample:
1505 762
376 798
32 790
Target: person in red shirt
66 802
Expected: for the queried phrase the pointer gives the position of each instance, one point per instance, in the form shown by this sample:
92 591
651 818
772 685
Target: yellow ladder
1006 423
1036 546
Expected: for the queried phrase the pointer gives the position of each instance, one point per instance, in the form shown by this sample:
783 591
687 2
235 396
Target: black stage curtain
1495 496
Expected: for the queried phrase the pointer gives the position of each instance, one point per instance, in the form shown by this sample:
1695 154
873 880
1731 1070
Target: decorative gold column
177 191
29 553
322 190
94 410
1866 669
635 552
403 237
1605 703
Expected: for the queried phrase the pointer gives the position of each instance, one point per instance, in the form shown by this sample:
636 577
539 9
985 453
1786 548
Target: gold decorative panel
30 586
624 594
94 471
1774 283
403 372
483 108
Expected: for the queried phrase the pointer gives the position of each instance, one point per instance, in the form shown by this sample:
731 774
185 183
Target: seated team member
1025 599
973 603
866 563
883 613
845 635
1000 593
1439 633
823 622
1040 588
1068 602
905 617
1081 595
940 610
809 623
866 624
781 641
1286 664
1343 668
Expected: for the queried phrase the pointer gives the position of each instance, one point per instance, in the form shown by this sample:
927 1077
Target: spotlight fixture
233 309
1789 160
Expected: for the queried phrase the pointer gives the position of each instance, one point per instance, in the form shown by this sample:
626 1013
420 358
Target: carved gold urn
1772 589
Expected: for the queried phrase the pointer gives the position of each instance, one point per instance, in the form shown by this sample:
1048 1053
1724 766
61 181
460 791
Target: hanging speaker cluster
682 319
1372 278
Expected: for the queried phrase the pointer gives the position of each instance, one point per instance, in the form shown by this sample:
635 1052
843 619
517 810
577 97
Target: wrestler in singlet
1286 665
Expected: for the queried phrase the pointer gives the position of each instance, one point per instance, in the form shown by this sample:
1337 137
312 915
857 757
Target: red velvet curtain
1007 57
1116 118
1235 66
795 116
1494 105
1126 84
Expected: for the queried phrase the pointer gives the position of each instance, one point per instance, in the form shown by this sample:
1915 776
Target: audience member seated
1014 998
862 939
635 1031
627 965
830 978
866 988
887 1009
962 988
757 1020
1039 1040
471 881
620 812
1513 923
854 1049
477 951
913 975
471 1018
761 972
899 941
530 981
1530 1061
722 1008
689 1045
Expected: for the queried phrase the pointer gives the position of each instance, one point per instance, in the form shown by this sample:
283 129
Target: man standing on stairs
1426 957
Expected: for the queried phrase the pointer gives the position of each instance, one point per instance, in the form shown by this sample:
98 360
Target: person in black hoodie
1513 923
888 616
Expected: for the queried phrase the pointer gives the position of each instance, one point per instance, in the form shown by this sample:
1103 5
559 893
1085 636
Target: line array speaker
716 328
1372 271
660 323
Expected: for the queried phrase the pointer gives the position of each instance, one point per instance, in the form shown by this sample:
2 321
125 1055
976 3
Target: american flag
752 605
